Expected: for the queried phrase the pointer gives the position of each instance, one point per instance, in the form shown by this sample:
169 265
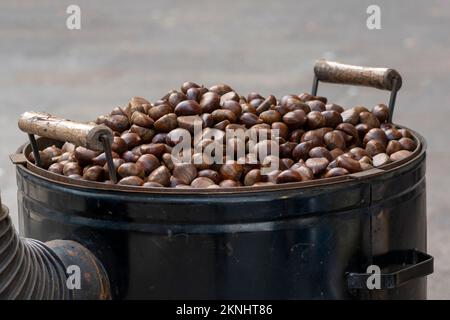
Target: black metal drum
306 240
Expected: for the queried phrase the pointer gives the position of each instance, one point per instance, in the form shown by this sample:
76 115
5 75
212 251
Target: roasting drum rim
32 169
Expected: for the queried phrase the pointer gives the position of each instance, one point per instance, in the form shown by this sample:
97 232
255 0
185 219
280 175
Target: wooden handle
80 134
334 72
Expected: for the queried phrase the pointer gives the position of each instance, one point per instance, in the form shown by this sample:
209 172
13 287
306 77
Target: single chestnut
270 116
334 139
393 134
129 156
316 105
336 172
408 144
295 119
350 116
85 156
400 155
100 160
148 162
315 120
188 85
393 146
159 111
131 169
56 168
317 165
332 118
320 152
211 174
233 106
141 119
369 119
72 168
152 185
289 175
157 149
348 163
334 107
231 170
188 108
202 182
301 151
176 98
117 123
376 134
374 147
185 172
250 119
131 139
160 175
209 102
94 173
223 114
220 89
380 159
358 152
381 111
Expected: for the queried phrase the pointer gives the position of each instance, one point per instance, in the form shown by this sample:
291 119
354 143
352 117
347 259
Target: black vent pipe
30 269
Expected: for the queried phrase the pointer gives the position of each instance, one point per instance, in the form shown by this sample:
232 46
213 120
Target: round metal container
294 241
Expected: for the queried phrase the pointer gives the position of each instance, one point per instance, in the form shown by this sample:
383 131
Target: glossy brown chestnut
400 155
160 175
131 181
287 176
202 182
209 102
185 172
336 172
351 165
158 111
380 159
148 162
157 149
317 165
393 146
408 144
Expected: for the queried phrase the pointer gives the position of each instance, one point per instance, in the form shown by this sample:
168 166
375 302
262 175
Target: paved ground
147 47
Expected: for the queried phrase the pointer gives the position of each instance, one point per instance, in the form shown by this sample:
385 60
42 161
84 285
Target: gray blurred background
145 48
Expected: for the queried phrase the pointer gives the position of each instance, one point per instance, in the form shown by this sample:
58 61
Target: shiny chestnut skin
148 162
381 111
185 172
317 165
351 165
188 108
202 182
166 123
131 169
400 155
209 102
131 181
289 175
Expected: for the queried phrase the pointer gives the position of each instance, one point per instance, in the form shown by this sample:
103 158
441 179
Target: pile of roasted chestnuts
314 140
